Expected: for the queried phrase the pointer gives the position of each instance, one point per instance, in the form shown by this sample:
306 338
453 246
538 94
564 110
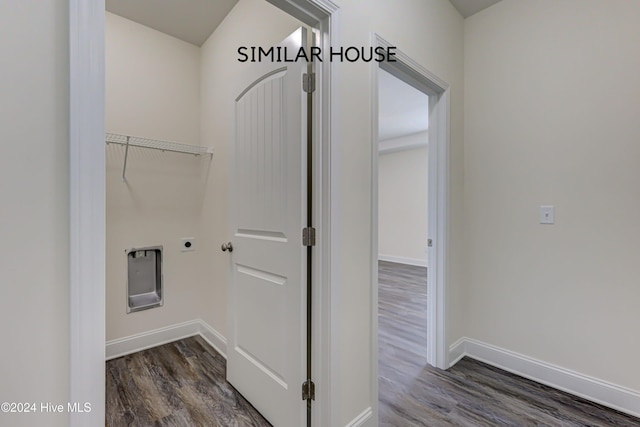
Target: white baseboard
134 343
457 351
403 260
593 389
214 338
361 419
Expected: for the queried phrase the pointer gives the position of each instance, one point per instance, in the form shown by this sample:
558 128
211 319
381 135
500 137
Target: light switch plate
547 214
188 244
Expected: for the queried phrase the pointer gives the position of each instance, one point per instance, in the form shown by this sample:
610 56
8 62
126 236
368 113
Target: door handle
227 247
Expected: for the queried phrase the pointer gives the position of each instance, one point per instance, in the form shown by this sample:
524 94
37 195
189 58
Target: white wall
34 172
402 201
551 117
153 91
152 83
250 23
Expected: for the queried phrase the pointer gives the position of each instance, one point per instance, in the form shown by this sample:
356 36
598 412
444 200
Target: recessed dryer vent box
144 278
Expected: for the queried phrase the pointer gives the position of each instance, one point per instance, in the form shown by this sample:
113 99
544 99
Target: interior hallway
471 393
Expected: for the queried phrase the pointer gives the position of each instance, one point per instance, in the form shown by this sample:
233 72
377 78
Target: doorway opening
403 122
160 87
409 282
87 169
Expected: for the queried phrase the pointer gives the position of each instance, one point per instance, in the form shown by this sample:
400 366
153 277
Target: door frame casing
412 73
324 17
87 161
87 205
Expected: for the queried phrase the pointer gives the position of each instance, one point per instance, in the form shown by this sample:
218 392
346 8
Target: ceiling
470 7
403 110
190 20
194 20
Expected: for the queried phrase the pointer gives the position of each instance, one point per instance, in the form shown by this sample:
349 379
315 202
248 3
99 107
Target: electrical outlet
188 244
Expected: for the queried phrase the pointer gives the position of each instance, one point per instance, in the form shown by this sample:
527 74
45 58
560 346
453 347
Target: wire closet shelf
154 144
136 141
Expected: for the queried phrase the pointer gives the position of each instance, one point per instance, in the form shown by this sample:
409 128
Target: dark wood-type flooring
471 393
183 383
179 384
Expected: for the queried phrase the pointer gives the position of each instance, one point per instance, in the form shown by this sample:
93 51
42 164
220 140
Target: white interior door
266 358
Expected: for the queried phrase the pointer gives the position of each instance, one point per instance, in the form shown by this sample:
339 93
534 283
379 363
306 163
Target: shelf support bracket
124 167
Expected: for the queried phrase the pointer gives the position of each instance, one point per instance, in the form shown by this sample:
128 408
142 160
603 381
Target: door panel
267 295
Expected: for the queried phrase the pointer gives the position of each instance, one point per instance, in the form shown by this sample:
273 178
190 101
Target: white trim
412 72
311 12
375 108
327 366
361 419
213 337
438 217
403 260
438 90
138 342
457 351
605 393
409 71
324 16
87 210
145 340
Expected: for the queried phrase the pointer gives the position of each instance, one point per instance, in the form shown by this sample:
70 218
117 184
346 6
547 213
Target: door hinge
308 236
429 243
308 390
309 82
